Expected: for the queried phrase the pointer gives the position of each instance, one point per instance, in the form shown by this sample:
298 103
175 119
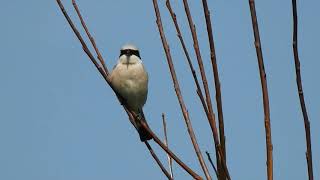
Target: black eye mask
129 52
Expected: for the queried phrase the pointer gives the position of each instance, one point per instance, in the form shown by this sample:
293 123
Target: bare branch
90 37
216 81
167 143
195 78
263 79
178 92
158 161
300 89
84 46
220 160
211 119
211 162
165 148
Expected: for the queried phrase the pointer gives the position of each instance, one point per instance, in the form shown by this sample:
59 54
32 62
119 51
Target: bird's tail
143 133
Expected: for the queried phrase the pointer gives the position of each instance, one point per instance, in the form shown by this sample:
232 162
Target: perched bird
130 79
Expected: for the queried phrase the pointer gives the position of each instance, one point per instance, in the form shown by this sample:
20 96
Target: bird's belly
132 84
132 87
134 91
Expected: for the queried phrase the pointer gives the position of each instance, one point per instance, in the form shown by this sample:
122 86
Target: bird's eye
136 52
122 52
129 52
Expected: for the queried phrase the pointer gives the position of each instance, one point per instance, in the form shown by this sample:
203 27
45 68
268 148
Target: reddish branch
195 78
104 72
212 121
90 37
219 152
264 90
167 143
199 92
216 76
300 90
178 92
216 81
84 46
158 161
131 116
165 148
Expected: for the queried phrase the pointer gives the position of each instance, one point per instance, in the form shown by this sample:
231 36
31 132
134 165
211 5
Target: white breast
131 82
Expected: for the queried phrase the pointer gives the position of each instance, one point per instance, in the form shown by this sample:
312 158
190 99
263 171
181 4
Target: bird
129 78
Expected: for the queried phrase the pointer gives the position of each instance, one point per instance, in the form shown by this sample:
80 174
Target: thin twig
90 37
264 86
158 161
220 161
195 78
300 89
165 148
212 121
132 116
211 162
167 144
84 46
199 92
105 76
178 92
216 80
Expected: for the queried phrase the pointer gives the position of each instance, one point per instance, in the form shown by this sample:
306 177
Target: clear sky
59 120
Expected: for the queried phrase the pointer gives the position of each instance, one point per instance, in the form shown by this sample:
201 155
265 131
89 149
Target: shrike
130 79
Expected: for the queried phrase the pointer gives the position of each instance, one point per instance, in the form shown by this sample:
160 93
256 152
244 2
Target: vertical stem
194 75
300 89
178 92
216 81
263 79
167 144
212 121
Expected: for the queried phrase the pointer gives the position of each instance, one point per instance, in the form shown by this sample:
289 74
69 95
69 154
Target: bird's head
129 54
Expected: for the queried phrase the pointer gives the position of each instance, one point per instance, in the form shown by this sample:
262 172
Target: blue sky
59 120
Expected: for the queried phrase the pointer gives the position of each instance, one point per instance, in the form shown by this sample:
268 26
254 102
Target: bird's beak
128 59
